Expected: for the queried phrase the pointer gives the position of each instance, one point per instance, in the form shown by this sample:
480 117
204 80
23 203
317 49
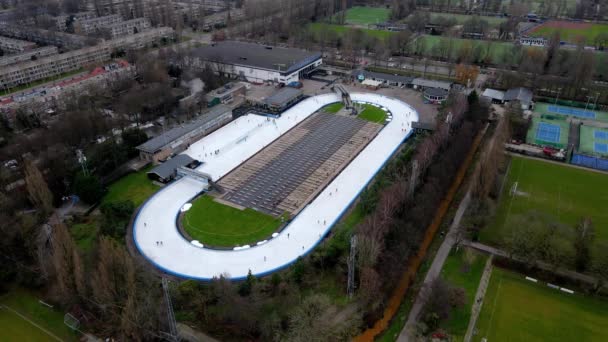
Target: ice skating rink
235 143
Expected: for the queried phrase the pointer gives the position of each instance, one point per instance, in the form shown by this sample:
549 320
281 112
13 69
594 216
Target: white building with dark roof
254 62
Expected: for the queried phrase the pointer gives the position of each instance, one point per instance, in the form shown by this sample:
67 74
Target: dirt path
479 296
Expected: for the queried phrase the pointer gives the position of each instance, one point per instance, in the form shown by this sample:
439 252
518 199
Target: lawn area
135 187
15 328
333 108
463 18
462 269
570 31
515 309
321 28
84 234
216 224
359 15
564 192
373 114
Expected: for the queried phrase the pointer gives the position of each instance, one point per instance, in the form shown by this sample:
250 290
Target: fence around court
589 161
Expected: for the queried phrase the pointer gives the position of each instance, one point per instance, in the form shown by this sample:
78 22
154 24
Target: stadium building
256 63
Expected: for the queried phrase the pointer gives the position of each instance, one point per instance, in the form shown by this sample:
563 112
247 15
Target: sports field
373 114
546 132
433 46
321 29
23 318
219 225
594 140
570 31
563 192
463 18
516 309
359 15
579 113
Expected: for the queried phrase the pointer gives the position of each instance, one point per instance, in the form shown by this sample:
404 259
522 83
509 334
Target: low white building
255 63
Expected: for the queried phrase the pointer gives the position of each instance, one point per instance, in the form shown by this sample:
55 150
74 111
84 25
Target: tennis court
547 132
593 141
581 113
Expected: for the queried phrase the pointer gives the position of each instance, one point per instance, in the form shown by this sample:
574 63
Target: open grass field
373 114
543 109
570 31
39 323
320 29
333 108
463 18
463 269
532 137
515 309
566 193
360 15
135 187
590 136
219 225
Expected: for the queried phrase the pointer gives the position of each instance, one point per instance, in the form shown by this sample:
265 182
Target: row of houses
28 55
27 72
11 45
47 37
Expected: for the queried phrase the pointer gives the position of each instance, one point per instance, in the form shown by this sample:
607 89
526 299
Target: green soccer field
373 114
39 322
563 192
564 132
463 18
219 225
515 309
588 140
321 29
497 51
359 15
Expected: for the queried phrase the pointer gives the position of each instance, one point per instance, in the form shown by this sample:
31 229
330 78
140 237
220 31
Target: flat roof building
179 138
127 27
282 99
254 62
389 79
11 45
28 55
47 37
94 25
167 171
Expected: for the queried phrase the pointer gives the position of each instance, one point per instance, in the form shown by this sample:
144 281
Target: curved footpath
236 142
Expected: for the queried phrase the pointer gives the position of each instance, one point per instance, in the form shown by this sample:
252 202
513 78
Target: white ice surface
236 142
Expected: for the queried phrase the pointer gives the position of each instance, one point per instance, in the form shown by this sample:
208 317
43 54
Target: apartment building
95 25
128 27
10 45
28 55
141 39
26 72
46 37
62 20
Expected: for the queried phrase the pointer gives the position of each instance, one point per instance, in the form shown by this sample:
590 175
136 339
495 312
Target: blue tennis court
581 113
601 148
601 135
548 132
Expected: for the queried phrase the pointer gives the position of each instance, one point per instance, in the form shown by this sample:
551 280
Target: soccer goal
71 321
513 190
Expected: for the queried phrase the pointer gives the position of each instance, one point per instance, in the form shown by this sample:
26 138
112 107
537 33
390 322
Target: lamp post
559 90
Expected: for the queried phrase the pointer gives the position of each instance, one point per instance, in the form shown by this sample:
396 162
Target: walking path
237 142
433 272
479 296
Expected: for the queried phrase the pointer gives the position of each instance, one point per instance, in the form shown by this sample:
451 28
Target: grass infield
333 108
219 225
566 193
373 114
516 309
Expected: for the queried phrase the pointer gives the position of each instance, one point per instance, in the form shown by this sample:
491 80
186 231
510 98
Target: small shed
167 171
435 95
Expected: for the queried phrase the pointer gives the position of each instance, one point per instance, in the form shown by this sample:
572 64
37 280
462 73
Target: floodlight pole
588 100
559 90
597 96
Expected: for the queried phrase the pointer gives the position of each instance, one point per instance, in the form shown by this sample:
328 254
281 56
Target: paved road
433 272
